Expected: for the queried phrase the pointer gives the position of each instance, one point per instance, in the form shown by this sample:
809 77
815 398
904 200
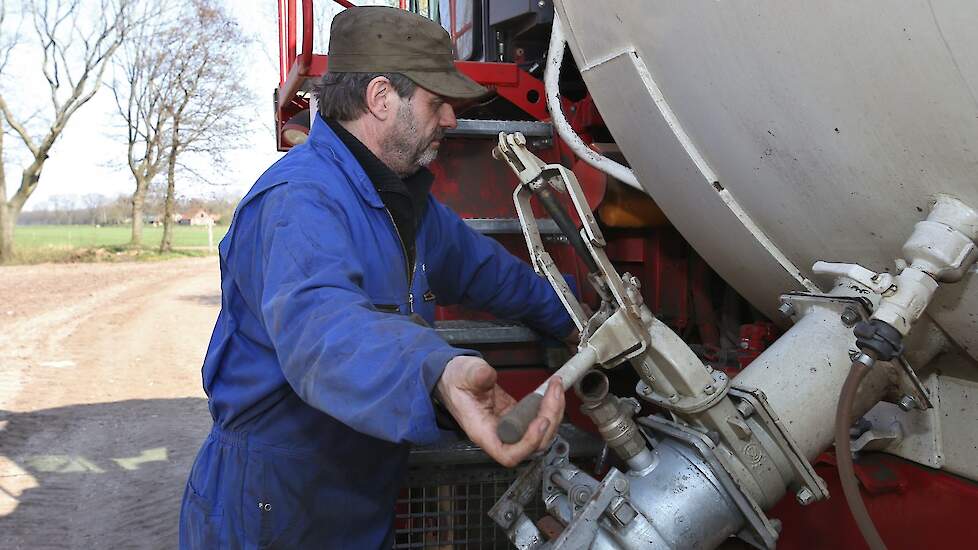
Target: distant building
157 220
200 217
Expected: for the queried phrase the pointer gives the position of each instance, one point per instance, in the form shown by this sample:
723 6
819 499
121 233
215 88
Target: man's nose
447 116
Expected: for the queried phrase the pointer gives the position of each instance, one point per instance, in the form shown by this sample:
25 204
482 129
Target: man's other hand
468 389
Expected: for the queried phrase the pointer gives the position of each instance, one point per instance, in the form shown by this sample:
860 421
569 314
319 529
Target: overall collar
368 173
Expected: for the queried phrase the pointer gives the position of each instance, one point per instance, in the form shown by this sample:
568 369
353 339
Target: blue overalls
318 381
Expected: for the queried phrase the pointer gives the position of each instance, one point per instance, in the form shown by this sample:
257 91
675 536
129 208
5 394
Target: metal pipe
514 423
801 374
551 83
614 420
567 226
305 60
282 61
291 32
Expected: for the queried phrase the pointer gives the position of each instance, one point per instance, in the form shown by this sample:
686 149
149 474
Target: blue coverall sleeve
476 271
373 371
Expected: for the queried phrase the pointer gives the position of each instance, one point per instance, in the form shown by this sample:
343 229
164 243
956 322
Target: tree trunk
166 245
138 202
8 218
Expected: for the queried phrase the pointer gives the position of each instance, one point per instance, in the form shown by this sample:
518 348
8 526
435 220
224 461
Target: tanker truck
762 217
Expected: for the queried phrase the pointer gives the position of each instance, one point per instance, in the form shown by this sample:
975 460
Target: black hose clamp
879 337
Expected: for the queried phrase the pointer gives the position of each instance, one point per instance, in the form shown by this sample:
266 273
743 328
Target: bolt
620 485
804 496
508 516
745 408
580 495
709 368
674 398
623 512
541 3
907 402
519 139
850 317
786 309
709 389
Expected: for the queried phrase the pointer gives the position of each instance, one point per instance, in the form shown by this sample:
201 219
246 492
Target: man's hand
468 390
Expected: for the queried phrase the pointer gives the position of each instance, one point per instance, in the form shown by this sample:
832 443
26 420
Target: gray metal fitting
745 408
786 309
710 389
850 317
804 496
620 485
907 402
864 359
580 494
623 512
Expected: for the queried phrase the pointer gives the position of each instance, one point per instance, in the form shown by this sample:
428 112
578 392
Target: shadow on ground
203 299
108 475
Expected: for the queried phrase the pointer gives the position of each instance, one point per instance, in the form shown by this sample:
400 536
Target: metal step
461 332
468 127
506 226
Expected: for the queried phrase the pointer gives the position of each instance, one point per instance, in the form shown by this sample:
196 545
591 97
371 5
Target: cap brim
452 84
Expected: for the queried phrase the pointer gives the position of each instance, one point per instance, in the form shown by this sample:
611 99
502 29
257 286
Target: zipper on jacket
408 269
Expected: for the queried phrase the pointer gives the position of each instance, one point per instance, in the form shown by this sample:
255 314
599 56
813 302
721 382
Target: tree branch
18 127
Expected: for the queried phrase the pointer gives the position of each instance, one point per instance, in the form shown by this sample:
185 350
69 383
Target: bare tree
95 204
76 46
206 107
141 95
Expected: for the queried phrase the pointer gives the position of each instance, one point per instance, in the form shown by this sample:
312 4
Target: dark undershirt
406 199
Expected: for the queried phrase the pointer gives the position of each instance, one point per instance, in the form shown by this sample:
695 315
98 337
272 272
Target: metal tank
777 133
820 156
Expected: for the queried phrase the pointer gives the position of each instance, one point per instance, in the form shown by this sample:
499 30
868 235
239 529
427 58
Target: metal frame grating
442 508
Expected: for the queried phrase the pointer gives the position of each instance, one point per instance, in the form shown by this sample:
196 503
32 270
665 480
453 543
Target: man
318 378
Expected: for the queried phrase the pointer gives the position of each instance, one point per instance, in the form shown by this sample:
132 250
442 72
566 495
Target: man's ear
380 97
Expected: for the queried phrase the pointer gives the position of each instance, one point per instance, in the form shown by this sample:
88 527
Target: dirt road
101 408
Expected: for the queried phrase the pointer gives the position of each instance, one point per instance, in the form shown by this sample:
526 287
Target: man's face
416 131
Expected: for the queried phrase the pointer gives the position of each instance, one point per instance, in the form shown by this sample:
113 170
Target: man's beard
405 148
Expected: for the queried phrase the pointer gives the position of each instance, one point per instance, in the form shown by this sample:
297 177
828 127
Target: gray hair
341 96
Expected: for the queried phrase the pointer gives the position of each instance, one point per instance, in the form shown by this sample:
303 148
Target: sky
90 156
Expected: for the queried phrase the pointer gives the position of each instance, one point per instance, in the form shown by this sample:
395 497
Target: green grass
85 243
88 236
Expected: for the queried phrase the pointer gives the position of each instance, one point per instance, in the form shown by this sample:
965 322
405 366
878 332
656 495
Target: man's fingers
503 401
481 377
538 434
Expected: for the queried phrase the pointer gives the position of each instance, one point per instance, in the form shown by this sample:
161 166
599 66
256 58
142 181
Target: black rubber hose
566 225
843 456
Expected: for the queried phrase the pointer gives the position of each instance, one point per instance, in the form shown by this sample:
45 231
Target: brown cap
378 39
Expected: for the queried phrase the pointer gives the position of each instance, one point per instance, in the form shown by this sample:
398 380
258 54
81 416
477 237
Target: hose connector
612 416
879 339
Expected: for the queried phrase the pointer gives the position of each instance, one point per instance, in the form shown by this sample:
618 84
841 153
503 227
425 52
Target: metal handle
514 423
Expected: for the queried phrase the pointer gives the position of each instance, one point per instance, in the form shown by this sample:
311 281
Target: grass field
80 243
88 236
